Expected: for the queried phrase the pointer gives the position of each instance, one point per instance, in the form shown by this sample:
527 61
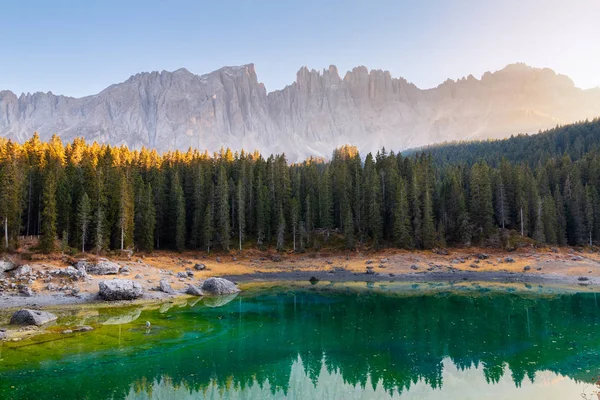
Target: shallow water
322 341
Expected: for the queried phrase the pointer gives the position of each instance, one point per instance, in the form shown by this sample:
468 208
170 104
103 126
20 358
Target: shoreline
549 266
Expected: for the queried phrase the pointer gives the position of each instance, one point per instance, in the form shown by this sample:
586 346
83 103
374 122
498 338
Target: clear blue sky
80 47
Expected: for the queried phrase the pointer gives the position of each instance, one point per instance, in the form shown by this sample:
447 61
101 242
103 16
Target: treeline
97 197
576 140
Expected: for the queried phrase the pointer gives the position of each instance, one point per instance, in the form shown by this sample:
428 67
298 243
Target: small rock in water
526 268
31 317
313 280
84 328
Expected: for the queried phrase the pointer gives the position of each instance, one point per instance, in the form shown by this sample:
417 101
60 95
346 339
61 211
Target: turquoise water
320 342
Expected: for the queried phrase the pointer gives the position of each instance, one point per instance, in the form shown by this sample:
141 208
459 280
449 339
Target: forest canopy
96 197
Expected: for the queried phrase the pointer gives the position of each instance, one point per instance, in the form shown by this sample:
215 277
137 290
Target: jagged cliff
312 116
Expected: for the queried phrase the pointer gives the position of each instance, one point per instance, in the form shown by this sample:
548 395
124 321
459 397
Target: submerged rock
217 286
120 289
194 291
31 317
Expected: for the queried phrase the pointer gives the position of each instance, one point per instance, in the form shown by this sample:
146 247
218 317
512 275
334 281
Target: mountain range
315 114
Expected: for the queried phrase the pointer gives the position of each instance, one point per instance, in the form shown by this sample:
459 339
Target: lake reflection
322 342
458 384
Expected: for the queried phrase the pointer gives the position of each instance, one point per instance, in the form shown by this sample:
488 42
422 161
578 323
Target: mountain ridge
317 112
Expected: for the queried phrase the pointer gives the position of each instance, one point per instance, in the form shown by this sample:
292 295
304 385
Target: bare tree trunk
122 237
6 232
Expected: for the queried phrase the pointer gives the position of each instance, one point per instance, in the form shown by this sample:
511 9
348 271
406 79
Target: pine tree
84 218
295 216
349 228
241 214
145 221
401 217
178 209
280 229
538 233
481 209
224 228
49 213
428 223
209 227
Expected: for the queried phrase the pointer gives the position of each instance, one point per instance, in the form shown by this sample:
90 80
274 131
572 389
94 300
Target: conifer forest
541 189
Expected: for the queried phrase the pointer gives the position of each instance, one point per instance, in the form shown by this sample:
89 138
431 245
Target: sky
78 48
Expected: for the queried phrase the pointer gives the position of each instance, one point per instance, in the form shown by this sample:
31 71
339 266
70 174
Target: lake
324 341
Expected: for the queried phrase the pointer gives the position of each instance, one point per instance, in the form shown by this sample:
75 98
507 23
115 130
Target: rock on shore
120 289
218 286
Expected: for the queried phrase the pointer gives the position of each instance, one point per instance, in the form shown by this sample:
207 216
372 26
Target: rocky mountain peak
316 113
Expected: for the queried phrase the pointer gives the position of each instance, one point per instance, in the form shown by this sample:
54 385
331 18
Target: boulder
194 291
120 289
22 271
74 272
26 291
31 317
217 286
509 260
199 267
6 266
103 268
165 287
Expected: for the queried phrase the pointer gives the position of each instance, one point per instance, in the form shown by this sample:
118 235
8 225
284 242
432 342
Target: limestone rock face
31 317
219 286
315 114
120 289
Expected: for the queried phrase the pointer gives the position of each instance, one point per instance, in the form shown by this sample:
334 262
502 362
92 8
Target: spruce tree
401 217
49 213
84 218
